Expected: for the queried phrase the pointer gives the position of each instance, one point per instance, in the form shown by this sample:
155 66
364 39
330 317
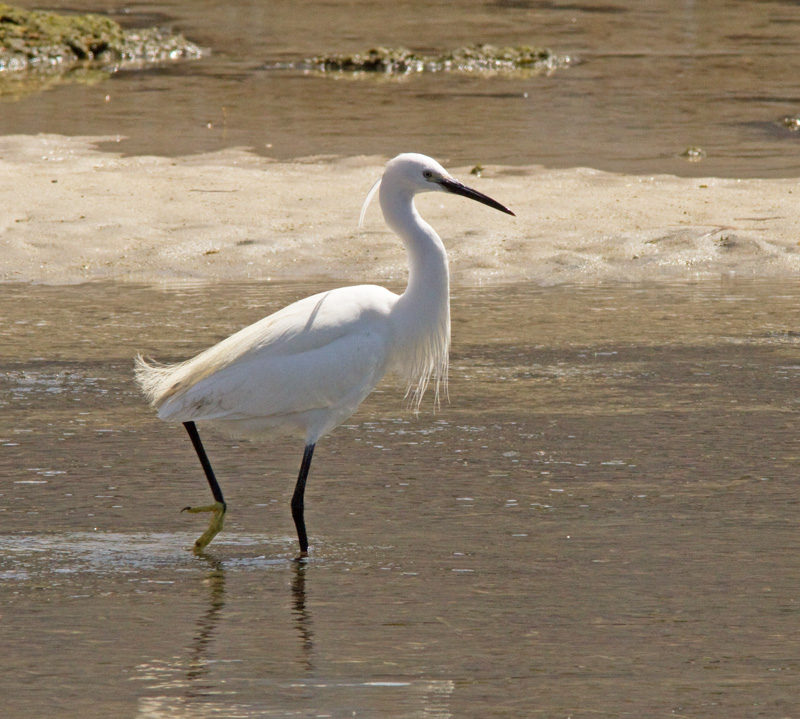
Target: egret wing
310 364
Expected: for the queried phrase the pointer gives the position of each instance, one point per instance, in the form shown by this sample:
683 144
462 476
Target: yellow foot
214 528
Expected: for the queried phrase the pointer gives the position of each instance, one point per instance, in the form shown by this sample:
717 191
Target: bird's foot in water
214 528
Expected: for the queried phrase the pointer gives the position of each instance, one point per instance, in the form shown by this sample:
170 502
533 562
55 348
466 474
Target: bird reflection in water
302 617
207 626
199 661
198 686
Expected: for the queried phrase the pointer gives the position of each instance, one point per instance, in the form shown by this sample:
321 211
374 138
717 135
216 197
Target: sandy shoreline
73 214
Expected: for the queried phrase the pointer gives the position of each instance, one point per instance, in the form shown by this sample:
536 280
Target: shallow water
654 79
601 522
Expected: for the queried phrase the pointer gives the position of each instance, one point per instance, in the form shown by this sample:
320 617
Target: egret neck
422 313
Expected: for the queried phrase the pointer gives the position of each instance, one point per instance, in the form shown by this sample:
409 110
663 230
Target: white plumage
305 369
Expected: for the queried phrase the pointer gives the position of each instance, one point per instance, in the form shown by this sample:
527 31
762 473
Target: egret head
415 172
412 173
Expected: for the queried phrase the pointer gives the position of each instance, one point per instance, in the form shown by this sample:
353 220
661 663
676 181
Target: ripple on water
41 555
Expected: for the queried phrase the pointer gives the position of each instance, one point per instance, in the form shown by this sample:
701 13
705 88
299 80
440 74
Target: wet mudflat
601 522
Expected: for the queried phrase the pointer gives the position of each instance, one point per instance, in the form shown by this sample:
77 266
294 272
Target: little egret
305 369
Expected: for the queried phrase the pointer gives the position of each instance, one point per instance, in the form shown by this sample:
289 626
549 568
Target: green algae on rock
482 58
47 41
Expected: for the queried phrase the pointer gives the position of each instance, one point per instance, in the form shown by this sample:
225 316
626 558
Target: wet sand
601 522
72 213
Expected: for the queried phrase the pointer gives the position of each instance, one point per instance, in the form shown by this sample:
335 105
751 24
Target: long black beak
459 188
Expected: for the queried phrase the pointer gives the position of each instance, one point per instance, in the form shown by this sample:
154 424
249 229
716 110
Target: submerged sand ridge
73 213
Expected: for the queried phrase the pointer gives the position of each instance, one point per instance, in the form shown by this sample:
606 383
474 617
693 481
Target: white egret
305 369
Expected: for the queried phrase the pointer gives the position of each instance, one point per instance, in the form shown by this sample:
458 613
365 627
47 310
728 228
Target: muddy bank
73 213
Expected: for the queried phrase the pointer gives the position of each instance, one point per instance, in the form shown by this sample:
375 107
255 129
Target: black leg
219 507
201 453
297 500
